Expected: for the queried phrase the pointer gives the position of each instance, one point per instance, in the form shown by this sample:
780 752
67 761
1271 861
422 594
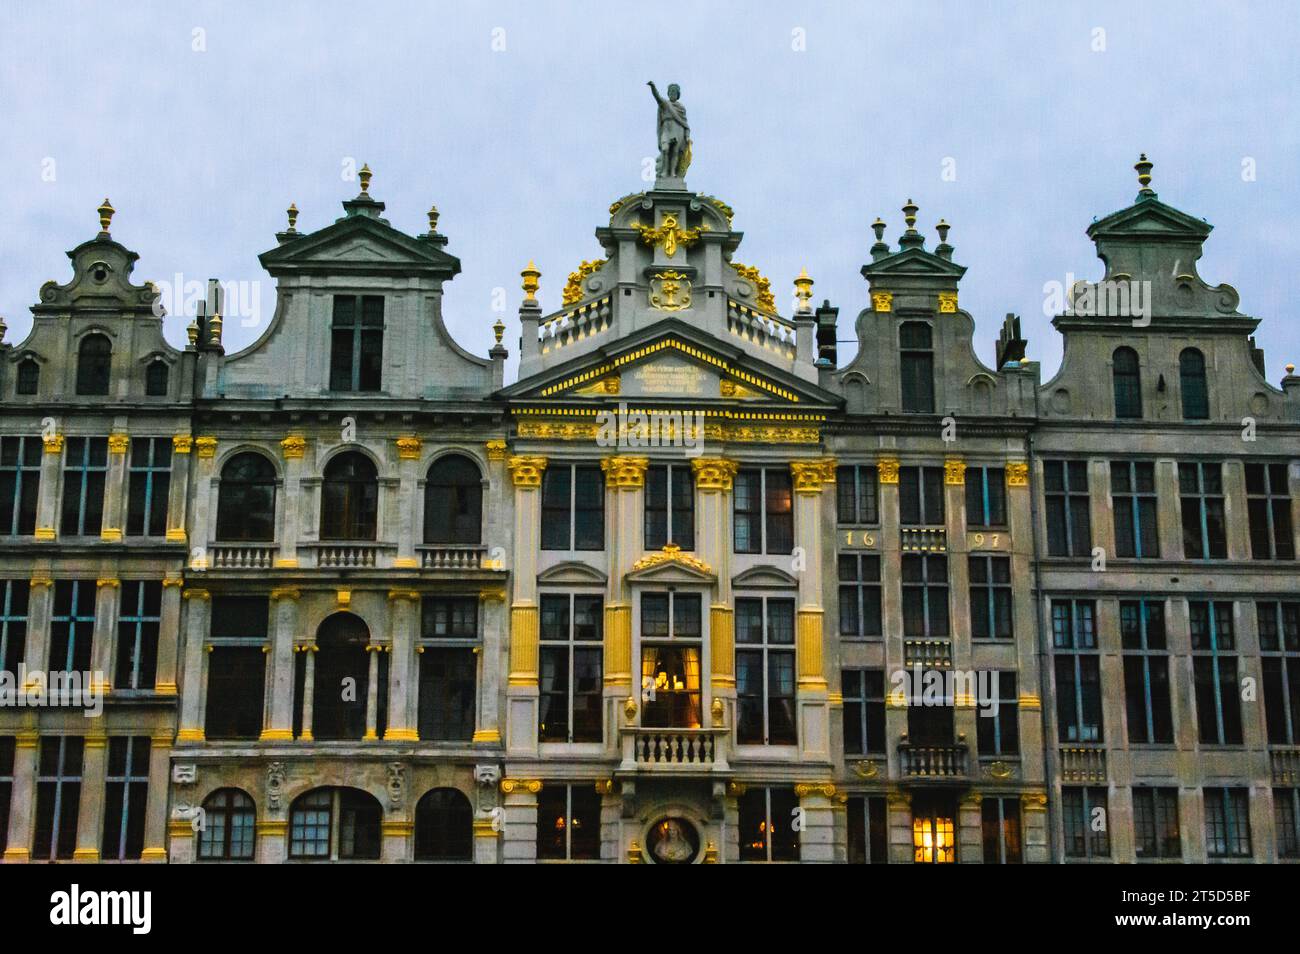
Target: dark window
1000 820
453 501
448 653
125 796
1214 668
29 377
1279 646
1200 492
357 343
1085 821
571 657
444 826
149 482
916 367
20 484
237 667
1268 502
864 711
58 797
94 360
1286 821
859 596
669 507
1078 671
72 627
930 722
990 597
7 747
85 466
246 499
568 823
335 824
997 719
573 508
229 827
349 499
763 515
1069 527
671 634
1155 823
767 825
857 492
342 668
920 496
1128 383
765 674
1146 671
1227 823
1133 500
139 616
155 378
14 595
1192 384
934 830
925 596
986 497
868 830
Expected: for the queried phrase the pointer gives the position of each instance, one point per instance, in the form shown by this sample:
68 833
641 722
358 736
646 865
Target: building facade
687 591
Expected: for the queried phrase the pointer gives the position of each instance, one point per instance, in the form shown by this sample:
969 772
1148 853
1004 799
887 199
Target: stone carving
674 134
274 785
396 784
185 773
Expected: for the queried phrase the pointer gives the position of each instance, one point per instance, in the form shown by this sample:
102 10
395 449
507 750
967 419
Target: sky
1018 123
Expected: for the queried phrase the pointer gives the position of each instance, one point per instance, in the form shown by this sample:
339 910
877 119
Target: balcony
674 751
453 556
349 556
933 763
1286 766
242 556
928 653
1083 764
924 539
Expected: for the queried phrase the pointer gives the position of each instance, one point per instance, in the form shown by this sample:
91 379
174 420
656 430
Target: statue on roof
674 134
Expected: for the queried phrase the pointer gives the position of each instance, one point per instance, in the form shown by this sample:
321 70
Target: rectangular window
1268 503
671 637
765 672
1000 819
85 467
763 504
357 343
1086 821
1078 671
864 711
1155 823
859 596
916 366
986 497
72 627
925 595
1200 493
767 824
990 597
139 616
573 507
7 747
669 507
857 495
125 796
14 595
1286 821
934 829
1133 500
920 496
1279 646
868 818
149 483
997 719
1069 526
237 667
1146 671
58 797
568 823
1227 823
1214 669
20 484
447 649
572 654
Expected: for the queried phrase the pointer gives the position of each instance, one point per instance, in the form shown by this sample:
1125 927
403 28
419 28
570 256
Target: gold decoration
1017 474
865 768
954 472
882 301
804 789
808 476
182 444
364 175
44 533
626 473
408 448
671 553
629 709
433 218
604 786
105 215
206 447
634 856
1030 700
619 203
803 286
530 785
496 449
719 712
1034 801
526 471
947 303
292 213
117 443
111 533
670 291
668 234
285 593
492 594
736 789
530 276
53 443
887 468
572 293
1000 769
763 296
294 447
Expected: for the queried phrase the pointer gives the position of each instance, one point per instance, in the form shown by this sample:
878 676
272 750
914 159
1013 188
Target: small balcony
1079 764
928 653
242 556
1286 765
350 556
924 539
674 751
934 763
454 556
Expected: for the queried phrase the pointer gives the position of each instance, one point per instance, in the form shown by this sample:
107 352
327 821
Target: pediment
572 572
1150 218
360 244
671 565
764 577
914 263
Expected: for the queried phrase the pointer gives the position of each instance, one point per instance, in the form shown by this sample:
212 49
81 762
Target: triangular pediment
915 263
360 244
671 565
1150 218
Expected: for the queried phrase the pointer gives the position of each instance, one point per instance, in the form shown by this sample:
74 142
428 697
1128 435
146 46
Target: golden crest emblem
670 291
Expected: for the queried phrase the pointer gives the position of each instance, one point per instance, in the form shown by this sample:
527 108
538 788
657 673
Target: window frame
863 691
568 646
672 641
1142 508
672 509
22 502
1277 528
1137 645
988 484
569 510
851 486
87 480
1199 504
1076 647
990 591
460 640
1159 813
151 518
359 333
769 521
768 650
1217 655
129 790
860 589
1065 501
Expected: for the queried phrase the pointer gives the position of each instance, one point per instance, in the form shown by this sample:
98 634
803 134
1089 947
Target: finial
3 329
433 219
292 212
364 175
1143 167
942 228
878 227
803 290
192 332
105 216
499 329
1290 369
909 215
530 276
214 329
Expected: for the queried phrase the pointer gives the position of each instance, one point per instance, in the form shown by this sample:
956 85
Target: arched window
228 832
94 358
246 499
341 682
1128 383
444 827
453 501
1196 393
29 376
155 378
349 503
335 824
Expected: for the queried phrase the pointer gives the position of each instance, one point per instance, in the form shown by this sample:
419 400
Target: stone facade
677 593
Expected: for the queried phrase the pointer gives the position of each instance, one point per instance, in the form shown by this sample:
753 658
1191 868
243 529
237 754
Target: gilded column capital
408 448
182 443
809 475
511 785
882 301
196 594
804 789
206 447
411 596
294 446
625 473
53 443
714 473
947 303
526 471
285 593
107 581
496 450
1017 473
118 442
954 472
887 468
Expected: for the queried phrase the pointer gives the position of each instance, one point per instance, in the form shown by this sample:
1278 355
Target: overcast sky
522 122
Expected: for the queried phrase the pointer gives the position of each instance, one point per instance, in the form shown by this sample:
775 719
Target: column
891 623
272 836
1169 522
970 828
155 819
181 841
115 488
202 520
47 507
714 477
294 447
178 492
810 477
492 602
169 636
40 607
965 712
1235 513
396 836
372 692
402 681
408 469
101 655
90 810
521 683
308 688
196 665
22 797
519 818
1033 827
497 529
278 725
625 506
817 839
